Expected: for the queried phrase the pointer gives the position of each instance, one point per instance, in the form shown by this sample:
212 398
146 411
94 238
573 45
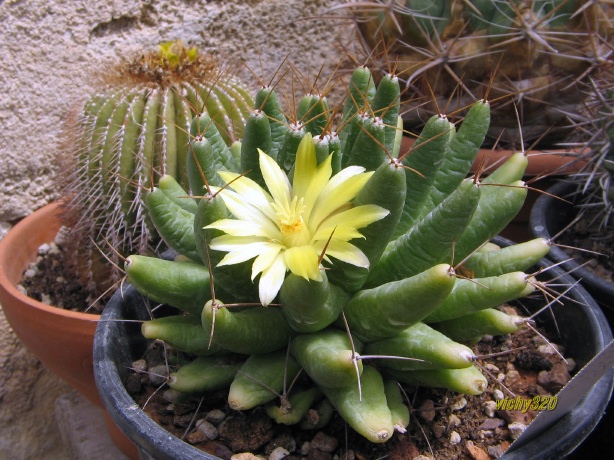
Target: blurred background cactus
131 132
595 125
535 54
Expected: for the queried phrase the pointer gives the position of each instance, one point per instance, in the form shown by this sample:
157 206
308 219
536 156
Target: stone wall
49 50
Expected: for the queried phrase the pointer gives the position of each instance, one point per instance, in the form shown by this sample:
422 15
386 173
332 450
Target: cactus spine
309 214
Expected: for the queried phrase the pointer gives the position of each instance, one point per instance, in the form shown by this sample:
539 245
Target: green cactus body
324 209
134 131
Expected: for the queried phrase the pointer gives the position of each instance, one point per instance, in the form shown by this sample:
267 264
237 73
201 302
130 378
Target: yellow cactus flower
293 225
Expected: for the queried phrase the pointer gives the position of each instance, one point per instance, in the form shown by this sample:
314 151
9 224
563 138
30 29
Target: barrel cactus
313 249
134 130
534 54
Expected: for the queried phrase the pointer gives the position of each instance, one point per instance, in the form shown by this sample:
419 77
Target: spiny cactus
134 130
596 127
340 249
535 54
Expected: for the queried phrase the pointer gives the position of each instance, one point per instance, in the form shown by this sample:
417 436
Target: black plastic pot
583 332
548 217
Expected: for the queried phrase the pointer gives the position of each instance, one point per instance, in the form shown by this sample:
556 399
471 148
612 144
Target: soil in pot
589 245
50 280
443 424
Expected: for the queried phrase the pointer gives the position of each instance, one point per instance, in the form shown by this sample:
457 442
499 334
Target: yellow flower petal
318 183
271 280
231 243
266 257
250 191
236 227
275 179
303 261
344 251
346 223
242 210
304 166
337 192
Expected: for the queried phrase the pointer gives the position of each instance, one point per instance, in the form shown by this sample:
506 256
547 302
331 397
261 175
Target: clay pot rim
15 236
542 163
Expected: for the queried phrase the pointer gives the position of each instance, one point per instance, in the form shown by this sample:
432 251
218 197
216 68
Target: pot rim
539 227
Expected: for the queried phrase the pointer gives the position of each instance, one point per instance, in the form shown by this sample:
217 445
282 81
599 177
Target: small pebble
30 273
305 448
46 299
475 452
285 440
491 424
495 451
133 383
455 438
453 420
158 374
438 430
348 455
492 368
426 411
140 365
43 249
196 437
171 395
548 349
459 404
215 416
54 249
554 379
324 442
208 429
498 394
512 377
516 429
278 454
489 408
245 456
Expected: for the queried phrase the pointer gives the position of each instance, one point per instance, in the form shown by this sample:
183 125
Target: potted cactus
310 251
129 133
125 136
587 198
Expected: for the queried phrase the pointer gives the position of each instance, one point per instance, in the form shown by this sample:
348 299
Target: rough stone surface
83 429
49 51
27 396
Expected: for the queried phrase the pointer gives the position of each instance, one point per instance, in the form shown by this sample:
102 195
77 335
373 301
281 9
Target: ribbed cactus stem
135 130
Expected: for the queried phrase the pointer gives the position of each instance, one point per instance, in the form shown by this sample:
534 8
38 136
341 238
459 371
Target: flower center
291 224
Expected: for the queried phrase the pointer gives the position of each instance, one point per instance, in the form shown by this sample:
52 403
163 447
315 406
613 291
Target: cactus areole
332 244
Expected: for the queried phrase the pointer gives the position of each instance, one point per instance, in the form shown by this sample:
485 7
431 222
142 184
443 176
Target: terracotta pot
62 340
